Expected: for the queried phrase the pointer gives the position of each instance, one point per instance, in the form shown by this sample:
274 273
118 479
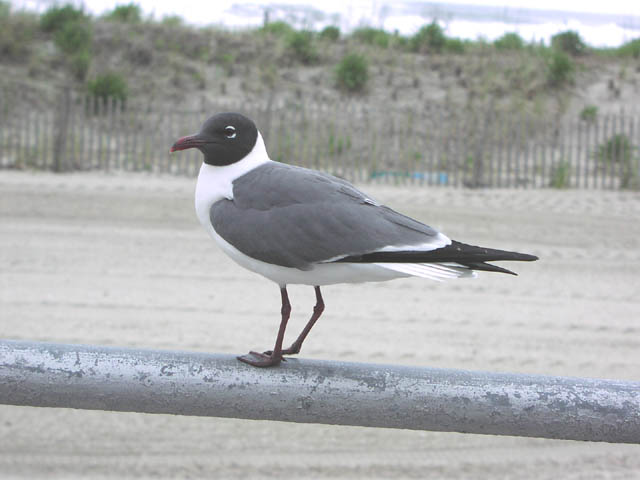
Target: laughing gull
293 225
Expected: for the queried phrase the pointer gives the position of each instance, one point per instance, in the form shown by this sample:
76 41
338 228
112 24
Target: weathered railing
310 391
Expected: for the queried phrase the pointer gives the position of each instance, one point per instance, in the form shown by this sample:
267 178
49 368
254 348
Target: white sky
197 8
354 13
619 7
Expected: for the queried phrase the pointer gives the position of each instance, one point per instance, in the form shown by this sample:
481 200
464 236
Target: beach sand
118 259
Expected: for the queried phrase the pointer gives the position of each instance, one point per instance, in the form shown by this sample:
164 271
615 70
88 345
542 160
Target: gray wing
295 217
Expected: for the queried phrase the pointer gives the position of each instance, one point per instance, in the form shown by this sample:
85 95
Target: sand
121 260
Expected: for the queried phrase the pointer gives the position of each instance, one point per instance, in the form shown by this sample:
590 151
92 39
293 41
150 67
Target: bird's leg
272 358
317 311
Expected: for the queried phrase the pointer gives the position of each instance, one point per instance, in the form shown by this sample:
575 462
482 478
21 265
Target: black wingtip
487 267
469 256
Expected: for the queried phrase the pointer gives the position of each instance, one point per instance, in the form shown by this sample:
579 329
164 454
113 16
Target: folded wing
300 218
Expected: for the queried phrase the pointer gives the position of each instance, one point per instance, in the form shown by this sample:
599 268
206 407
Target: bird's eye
230 131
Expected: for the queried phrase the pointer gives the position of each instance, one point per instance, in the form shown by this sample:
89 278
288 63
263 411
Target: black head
224 139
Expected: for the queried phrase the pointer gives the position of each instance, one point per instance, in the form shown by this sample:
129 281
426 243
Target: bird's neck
216 183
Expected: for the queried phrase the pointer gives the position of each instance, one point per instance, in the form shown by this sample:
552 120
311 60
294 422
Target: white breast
216 183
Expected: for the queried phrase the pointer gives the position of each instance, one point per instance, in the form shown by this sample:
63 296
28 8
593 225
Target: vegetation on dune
630 49
352 73
107 86
561 175
616 149
195 58
618 152
455 45
172 21
429 39
589 113
72 33
56 18
130 13
569 42
560 69
372 36
330 33
278 28
302 46
17 34
73 36
509 41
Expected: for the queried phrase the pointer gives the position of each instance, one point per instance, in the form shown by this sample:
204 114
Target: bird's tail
433 271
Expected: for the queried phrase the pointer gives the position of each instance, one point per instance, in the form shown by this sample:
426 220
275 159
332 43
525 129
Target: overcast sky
406 16
202 9
199 9
623 7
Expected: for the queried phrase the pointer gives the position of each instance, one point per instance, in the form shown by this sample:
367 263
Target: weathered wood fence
462 149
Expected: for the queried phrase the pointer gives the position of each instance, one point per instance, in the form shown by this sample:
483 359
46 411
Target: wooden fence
461 149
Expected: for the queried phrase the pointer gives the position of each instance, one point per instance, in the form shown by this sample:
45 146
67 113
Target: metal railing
311 391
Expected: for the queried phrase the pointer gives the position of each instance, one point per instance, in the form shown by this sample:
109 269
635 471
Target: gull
294 225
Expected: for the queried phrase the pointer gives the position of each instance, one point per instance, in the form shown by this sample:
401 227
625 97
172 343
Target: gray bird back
295 217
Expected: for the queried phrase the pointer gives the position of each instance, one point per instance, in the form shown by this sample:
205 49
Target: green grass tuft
330 33
110 85
55 18
302 46
619 149
73 37
372 36
352 73
561 175
509 41
277 29
560 69
130 13
455 45
430 38
18 35
569 42
589 113
615 149
630 49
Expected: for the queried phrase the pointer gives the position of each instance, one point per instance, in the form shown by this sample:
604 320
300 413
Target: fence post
62 127
477 179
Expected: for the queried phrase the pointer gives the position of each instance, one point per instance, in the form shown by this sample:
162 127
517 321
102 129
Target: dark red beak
191 141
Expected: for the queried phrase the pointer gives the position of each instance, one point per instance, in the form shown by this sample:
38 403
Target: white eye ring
230 131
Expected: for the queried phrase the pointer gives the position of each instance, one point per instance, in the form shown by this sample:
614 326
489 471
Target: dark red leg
317 311
271 359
